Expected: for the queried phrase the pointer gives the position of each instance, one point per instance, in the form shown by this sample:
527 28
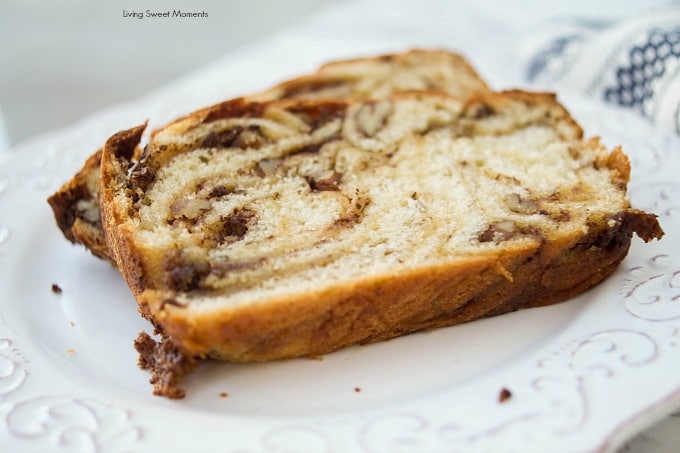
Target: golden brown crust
117 152
387 306
370 310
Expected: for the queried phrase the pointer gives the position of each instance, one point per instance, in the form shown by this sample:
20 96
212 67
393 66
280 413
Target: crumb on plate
504 395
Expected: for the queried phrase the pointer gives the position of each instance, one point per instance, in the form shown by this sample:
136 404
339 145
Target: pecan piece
499 231
520 205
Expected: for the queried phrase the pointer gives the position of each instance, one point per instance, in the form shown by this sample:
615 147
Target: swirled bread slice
255 231
75 204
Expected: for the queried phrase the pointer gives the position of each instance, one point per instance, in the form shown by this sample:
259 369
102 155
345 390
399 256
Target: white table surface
61 61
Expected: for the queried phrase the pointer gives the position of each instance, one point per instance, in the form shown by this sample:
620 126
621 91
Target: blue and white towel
634 63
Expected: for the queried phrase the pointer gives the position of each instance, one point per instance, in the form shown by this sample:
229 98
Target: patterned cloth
633 63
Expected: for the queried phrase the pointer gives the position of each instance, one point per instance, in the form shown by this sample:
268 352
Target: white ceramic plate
584 375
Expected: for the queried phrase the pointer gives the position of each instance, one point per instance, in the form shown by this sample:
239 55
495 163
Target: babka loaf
253 231
75 204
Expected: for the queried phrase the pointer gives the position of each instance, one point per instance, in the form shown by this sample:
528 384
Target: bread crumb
70 351
504 395
357 389
72 324
223 394
56 289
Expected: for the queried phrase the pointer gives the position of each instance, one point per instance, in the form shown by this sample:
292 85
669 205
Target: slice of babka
253 231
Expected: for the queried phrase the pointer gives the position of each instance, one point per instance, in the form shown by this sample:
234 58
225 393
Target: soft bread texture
253 231
75 204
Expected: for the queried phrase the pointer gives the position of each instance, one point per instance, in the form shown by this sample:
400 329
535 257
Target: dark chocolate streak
222 139
235 225
182 274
